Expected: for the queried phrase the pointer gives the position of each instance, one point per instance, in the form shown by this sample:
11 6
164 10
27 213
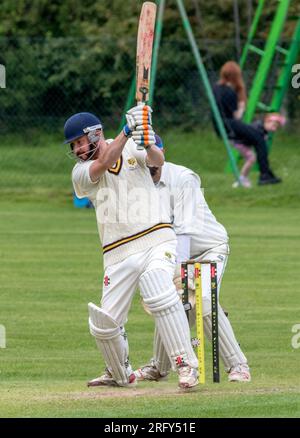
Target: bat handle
138 146
144 91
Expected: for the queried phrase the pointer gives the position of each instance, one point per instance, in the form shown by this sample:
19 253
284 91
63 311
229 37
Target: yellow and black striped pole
199 322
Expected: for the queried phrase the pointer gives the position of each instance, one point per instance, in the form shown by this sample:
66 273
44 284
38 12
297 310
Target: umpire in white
202 238
139 247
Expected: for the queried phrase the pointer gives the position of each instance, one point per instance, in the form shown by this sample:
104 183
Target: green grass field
51 267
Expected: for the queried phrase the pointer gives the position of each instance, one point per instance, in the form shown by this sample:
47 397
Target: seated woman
228 92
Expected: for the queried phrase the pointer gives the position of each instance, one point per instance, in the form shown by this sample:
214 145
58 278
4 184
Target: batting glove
139 115
143 136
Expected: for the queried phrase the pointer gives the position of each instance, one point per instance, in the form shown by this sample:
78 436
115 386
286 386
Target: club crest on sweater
132 163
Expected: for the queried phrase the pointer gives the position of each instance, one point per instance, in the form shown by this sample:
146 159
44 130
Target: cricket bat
144 51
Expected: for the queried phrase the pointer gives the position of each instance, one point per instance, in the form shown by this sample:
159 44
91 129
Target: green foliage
69 56
41 18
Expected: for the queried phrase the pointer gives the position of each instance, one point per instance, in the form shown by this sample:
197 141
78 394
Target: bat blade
144 50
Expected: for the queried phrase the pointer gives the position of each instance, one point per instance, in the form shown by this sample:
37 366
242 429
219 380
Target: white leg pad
160 295
111 342
160 357
230 351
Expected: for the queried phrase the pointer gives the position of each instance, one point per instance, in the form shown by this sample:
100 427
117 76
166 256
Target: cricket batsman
202 238
139 246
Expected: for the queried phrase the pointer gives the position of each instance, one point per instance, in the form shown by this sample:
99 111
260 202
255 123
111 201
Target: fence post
2 76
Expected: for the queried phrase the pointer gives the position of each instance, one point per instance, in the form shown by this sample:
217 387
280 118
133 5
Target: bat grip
138 146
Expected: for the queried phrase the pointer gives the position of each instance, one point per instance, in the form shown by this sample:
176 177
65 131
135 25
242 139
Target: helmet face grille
90 154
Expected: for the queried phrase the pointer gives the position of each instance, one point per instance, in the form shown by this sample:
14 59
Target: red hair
232 73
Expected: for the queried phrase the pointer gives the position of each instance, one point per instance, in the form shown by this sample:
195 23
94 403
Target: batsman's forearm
115 149
109 155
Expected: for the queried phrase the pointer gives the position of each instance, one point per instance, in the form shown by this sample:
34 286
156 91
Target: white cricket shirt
189 212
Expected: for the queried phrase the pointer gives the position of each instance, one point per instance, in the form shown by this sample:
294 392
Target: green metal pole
266 60
252 32
285 75
129 102
158 31
207 86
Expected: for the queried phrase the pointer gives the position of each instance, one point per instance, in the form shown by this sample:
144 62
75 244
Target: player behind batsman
139 248
202 238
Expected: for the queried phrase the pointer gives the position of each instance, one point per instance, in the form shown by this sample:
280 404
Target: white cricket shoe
151 373
239 373
107 380
188 377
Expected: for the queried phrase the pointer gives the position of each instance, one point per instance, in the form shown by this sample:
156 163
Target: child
272 121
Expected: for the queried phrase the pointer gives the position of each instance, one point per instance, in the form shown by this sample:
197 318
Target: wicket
199 341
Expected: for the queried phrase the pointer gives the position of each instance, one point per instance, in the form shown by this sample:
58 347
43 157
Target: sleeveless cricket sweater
130 217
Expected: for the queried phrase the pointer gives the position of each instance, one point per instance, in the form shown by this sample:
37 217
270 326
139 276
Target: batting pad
161 297
160 356
110 342
230 351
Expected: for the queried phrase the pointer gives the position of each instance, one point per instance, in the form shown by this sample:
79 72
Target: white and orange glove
139 115
139 125
143 136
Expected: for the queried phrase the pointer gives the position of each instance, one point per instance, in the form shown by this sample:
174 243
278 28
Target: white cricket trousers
122 279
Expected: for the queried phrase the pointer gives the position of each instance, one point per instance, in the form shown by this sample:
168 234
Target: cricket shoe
239 373
107 380
188 377
151 373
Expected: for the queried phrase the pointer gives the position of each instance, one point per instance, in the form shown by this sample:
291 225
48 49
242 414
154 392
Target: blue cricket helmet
76 125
